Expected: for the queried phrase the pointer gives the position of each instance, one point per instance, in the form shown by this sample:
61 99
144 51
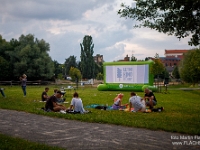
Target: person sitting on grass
118 102
44 95
52 105
137 103
149 98
76 104
59 100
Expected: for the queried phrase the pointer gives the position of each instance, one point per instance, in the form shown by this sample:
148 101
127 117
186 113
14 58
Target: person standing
2 92
23 80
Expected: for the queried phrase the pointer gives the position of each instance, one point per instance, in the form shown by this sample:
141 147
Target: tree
175 17
70 62
157 68
175 73
30 56
99 76
87 61
190 67
4 69
133 58
75 74
57 69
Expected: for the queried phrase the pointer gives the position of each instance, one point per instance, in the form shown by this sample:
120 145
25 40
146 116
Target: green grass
10 143
181 112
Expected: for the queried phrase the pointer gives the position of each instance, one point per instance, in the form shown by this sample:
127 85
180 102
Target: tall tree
70 62
57 69
190 66
173 17
5 65
87 61
4 69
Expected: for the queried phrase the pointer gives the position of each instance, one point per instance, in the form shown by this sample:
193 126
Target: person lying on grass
118 102
137 103
52 105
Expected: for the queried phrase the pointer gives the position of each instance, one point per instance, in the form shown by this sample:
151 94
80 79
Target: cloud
63 24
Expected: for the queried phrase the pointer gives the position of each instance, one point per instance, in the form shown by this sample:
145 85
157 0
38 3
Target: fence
37 82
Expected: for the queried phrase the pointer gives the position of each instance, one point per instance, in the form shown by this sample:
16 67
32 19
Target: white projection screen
137 74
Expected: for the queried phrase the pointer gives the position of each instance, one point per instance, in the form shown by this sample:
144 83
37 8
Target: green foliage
98 69
4 69
60 76
175 17
30 56
175 73
181 113
87 62
75 74
190 67
99 76
58 69
70 62
157 68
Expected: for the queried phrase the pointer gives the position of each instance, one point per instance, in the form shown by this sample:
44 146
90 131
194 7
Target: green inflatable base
125 87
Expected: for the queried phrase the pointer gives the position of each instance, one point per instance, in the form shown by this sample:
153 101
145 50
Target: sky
64 23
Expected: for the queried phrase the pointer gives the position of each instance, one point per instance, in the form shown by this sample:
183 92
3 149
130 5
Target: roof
175 51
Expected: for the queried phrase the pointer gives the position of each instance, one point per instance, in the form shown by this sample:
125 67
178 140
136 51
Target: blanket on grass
104 107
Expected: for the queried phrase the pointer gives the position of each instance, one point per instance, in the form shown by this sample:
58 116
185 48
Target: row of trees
29 55
26 55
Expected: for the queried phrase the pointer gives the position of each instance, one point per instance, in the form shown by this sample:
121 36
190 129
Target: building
175 53
127 58
98 58
172 58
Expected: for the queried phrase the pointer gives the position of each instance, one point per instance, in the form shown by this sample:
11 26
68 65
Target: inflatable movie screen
127 76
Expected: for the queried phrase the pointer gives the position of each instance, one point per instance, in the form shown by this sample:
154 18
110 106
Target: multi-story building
172 58
98 59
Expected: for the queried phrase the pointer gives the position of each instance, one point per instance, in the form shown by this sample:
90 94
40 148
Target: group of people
53 102
138 103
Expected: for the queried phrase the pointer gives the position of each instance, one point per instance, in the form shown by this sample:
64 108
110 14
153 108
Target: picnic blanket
101 106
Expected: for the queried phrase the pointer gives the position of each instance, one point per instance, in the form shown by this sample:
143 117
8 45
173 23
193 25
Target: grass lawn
181 112
10 143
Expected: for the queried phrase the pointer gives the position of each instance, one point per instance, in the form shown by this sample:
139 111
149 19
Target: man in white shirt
137 102
76 104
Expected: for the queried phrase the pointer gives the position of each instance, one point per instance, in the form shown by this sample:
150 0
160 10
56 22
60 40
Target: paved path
76 135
